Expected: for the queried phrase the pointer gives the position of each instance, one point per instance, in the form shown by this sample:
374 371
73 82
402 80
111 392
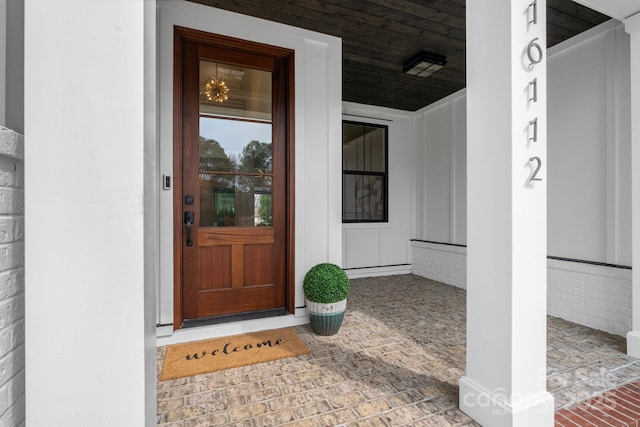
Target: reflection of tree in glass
256 157
264 210
213 157
235 189
214 206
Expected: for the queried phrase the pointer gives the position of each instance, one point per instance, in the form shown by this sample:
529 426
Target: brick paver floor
395 362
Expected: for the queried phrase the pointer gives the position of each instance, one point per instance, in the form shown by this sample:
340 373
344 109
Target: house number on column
533 90
534 54
535 170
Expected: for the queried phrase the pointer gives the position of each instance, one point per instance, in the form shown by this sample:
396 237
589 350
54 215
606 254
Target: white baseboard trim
169 336
390 270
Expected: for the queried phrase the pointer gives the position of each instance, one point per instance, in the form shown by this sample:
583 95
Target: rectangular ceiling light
424 64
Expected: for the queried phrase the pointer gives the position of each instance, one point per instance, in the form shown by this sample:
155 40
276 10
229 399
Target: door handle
189 219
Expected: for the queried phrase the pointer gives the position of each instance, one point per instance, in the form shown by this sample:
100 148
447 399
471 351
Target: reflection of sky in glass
234 135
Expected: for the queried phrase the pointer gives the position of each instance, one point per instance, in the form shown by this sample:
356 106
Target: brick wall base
12 356
444 263
597 296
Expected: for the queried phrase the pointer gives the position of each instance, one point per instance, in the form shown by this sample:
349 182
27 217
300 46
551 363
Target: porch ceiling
380 35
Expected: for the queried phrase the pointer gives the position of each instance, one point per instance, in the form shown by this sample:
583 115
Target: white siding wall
12 380
441 174
589 146
589 211
380 248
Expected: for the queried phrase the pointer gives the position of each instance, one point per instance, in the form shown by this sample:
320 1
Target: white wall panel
577 152
441 175
357 241
589 146
622 142
393 247
459 170
438 213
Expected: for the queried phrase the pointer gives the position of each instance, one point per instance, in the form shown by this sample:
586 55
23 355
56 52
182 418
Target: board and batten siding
589 182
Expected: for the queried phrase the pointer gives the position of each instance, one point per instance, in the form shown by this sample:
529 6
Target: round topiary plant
326 283
326 287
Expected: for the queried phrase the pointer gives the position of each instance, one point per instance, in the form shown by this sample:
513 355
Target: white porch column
632 26
505 382
90 344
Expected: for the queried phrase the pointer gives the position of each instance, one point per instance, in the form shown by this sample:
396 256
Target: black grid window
364 172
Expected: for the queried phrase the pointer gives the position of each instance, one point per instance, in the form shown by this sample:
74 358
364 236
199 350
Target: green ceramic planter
326 319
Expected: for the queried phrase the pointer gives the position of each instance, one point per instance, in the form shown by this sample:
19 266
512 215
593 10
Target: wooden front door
233 222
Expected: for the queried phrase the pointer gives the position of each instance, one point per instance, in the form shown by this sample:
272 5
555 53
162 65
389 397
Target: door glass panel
228 200
234 91
235 146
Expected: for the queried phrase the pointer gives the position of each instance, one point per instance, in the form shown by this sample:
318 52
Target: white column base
633 344
490 408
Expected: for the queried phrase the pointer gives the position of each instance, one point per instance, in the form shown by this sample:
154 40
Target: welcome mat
199 357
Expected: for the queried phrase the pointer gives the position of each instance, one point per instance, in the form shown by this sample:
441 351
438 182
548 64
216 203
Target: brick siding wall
597 296
444 263
12 356
592 295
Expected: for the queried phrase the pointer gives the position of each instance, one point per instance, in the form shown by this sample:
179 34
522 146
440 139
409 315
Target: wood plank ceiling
380 35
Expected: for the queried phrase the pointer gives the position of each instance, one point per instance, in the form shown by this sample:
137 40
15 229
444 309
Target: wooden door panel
215 267
235 236
260 271
235 301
